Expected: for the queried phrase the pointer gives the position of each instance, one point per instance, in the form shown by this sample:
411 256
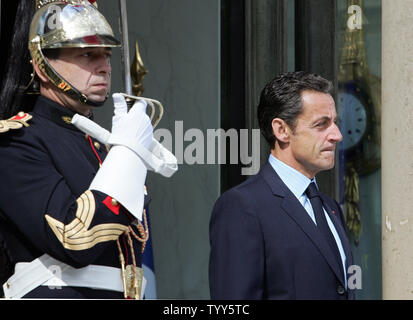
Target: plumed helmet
67 24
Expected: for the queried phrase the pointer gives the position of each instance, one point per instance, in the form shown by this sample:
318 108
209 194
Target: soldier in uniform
72 211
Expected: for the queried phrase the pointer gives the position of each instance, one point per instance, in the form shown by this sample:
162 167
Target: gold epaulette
16 122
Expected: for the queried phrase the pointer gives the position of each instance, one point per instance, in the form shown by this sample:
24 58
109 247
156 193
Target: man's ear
281 130
39 72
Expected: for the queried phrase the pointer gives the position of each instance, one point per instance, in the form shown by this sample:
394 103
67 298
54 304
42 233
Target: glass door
359 106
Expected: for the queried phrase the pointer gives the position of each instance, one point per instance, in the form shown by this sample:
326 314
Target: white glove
133 125
122 174
154 155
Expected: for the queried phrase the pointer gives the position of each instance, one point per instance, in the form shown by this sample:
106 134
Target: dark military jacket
46 168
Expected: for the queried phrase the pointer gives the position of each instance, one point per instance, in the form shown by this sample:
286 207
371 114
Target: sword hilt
129 102
154 115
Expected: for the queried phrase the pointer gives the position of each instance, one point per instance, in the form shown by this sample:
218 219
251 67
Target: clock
353 119
358 125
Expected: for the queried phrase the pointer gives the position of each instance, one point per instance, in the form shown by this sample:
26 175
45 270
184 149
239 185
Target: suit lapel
296 211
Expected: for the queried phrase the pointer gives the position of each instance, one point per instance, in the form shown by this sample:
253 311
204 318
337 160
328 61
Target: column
397 149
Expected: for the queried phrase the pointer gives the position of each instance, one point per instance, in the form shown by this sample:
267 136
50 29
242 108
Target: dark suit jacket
264 245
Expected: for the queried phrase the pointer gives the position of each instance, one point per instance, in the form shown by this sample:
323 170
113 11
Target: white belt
47 271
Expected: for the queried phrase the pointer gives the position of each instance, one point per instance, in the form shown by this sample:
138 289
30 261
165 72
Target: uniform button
97 145
341 290
114 203
21 114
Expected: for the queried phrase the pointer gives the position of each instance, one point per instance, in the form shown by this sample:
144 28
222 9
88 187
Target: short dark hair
281 98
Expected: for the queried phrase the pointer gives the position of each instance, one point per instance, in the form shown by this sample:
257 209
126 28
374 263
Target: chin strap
56 78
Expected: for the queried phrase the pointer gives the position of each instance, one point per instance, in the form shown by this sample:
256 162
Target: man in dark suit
275 236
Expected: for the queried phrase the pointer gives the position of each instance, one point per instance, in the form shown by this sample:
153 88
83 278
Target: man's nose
335 134
104 65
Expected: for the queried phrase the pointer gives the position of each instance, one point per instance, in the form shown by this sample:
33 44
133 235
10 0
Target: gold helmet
67 24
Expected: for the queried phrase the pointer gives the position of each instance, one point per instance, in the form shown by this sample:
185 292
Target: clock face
353 119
